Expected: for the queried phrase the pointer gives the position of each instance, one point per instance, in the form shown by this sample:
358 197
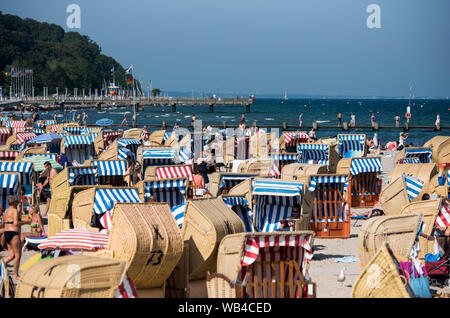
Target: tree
156 92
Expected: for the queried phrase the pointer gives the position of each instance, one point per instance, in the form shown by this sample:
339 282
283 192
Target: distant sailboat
285 95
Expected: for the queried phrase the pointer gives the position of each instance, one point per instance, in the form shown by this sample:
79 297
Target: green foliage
58 58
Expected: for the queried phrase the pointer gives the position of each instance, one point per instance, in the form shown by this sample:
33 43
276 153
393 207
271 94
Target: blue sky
320 47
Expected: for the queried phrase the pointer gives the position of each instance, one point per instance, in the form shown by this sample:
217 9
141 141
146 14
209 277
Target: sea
273 112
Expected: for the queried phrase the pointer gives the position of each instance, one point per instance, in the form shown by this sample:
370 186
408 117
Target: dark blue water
277 111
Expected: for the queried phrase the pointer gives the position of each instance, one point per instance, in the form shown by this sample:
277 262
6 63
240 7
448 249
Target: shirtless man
47 195
12 234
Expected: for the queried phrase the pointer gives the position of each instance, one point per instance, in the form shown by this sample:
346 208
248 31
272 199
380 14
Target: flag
130 80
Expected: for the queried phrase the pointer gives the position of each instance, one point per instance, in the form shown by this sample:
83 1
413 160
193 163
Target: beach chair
318 153
7 287
263 265
273 201
290 139
72 276
159 157
400 231
9 155
221 182
110 172
105 138
282 160
26 173
260 167
441 148
145 236
414 155
330 217
92 208
17 139
79 148
171 191
5 132
382 278
206 223
364 186
9 185
241 207
352 145
435 214
296 171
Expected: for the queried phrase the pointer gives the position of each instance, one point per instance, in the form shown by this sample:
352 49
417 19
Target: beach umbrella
76 239
40 160
45 138
104 122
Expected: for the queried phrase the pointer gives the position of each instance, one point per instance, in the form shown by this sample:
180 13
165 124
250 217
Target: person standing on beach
243 117
339 120
78 118
124 121
300 120
397 121
352 120
372 119
54 117
12 234
438 120
85 116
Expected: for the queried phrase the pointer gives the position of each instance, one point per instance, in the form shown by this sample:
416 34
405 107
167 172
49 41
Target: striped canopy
93 136
178 212
159 156
8 155
277 188
24 136
313 153
362 165
24 168
16 124
424 154
261 251
127 141
87 130
170 191
411 160
256 244
413 186
285 158
316 180
77 141
242 209
9 185
4 134
350 143
105 198
74 130
443 218
174 172
76 239
47 155
293 137
110 167
82 176
110 136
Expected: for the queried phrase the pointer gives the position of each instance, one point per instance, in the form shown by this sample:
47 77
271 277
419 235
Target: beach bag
420 286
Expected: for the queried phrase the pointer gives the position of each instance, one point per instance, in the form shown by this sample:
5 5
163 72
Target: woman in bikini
36 226
12 234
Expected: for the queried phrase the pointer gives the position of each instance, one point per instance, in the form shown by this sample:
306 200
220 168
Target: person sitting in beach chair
45 194
289 223
36 224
